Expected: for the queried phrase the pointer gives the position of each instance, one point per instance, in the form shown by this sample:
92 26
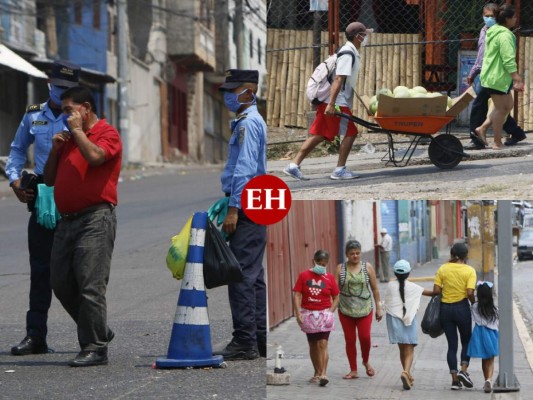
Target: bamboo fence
525 68
388 65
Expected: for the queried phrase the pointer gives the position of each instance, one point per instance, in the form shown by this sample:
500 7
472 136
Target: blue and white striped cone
190 341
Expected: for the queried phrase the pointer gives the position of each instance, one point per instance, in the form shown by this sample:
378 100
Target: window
259 51
78 12
251 45
96 14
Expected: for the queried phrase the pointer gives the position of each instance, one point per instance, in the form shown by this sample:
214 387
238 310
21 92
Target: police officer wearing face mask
246 160
38 126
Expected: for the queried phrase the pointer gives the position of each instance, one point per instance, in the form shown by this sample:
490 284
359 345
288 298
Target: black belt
96 207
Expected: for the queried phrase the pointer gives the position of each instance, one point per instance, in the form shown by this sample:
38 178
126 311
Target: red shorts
330 126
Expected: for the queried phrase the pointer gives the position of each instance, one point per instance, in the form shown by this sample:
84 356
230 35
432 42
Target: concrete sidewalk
432 380
360 161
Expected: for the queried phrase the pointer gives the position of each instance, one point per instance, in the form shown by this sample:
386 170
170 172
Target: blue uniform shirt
38 126
247 153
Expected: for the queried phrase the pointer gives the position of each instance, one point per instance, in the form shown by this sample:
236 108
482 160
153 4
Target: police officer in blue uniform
246 160
38 125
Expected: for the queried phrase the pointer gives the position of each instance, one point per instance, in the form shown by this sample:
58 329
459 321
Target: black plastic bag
431 321
220 265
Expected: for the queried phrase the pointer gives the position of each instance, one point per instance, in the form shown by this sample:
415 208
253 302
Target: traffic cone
190 341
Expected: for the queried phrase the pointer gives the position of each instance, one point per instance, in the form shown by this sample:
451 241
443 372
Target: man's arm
336 87
94 154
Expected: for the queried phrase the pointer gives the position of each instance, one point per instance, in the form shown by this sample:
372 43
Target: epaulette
242 116
34 107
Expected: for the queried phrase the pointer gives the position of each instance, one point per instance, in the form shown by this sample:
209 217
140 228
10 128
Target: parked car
525 244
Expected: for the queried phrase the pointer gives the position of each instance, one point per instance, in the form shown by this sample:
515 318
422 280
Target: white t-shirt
478 319
344 67
386 242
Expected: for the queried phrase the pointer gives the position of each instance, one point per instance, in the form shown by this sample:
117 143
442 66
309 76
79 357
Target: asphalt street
142 297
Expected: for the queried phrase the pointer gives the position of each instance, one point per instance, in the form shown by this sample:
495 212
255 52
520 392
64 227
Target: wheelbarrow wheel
443 151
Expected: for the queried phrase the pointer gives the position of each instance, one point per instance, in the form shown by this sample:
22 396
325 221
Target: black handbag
431 321
220 265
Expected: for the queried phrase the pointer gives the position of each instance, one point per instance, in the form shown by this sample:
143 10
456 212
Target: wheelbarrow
445 150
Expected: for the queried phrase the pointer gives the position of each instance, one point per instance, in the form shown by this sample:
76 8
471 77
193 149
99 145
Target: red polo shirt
79 185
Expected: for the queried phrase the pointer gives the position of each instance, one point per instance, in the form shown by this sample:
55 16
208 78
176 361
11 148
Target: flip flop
370 371
405 380
349 376
481 137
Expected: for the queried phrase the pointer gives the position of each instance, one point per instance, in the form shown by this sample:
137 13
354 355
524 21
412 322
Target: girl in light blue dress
484 341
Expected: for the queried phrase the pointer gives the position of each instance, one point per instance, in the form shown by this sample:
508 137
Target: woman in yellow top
456 281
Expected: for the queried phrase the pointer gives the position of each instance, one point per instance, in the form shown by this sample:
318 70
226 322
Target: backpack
319 85
342 275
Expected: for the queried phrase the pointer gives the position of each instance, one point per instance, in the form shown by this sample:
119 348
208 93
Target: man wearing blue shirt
246 160
37 127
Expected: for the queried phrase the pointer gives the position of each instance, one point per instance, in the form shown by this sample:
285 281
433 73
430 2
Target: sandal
323 380
314 379
369 370
406 381
350 376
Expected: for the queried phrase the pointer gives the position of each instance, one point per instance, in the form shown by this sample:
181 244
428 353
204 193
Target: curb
376 163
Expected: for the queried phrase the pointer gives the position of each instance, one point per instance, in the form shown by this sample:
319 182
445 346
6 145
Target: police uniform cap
236 77
65 74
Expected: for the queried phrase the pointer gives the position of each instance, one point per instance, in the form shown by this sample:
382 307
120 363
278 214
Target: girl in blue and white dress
484 341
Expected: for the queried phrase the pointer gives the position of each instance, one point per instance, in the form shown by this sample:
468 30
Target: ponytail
401 280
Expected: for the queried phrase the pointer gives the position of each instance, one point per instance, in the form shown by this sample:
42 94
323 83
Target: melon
401 92
385 91
374 107
420 89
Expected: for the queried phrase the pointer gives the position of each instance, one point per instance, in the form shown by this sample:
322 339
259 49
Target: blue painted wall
83 43
389 220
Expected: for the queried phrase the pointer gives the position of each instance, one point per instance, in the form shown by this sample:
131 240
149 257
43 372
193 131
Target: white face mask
364 42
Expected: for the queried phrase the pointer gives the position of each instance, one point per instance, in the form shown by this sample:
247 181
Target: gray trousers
79 272
384 265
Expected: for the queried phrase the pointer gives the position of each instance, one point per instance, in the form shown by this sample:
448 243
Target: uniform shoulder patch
242 116
34 107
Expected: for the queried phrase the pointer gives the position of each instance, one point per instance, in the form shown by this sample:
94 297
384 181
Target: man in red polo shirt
84 166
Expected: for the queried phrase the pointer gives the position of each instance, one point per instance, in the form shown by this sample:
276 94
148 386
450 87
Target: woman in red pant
357 284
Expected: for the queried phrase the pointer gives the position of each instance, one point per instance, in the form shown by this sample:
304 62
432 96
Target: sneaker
487 387
456 385
294 171
464 377
343 173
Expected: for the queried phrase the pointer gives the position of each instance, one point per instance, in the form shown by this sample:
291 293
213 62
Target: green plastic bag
177 253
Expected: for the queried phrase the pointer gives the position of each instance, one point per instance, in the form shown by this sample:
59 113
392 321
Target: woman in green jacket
499 73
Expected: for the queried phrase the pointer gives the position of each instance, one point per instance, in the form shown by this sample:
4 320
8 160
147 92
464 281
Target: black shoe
512 140
464 377
456 385
236 351
87 358
30 345
473 146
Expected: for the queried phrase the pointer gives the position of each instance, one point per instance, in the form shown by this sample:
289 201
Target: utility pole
123 77
506 381
238 29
